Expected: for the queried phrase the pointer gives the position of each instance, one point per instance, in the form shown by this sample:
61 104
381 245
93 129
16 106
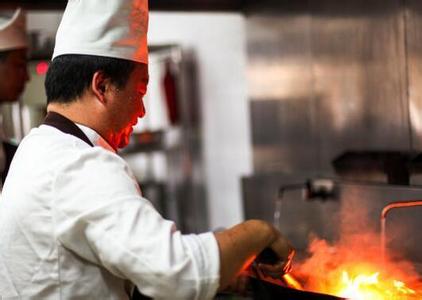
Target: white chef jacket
74 225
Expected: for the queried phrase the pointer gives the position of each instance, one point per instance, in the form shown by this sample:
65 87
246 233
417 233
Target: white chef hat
111 28
13 31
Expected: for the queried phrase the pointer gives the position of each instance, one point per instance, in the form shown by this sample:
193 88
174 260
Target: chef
13 73
73 221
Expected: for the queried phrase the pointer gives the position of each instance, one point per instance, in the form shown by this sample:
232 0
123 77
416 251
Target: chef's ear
99 85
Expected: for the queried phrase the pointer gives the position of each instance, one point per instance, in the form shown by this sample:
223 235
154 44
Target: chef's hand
240 285
240 244
276 260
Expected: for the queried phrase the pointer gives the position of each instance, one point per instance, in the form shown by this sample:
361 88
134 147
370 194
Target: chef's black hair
70 75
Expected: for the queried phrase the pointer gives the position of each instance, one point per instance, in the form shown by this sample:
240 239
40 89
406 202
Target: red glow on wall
42 68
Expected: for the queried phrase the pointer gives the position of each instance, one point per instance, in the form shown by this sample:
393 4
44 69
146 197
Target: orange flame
353 269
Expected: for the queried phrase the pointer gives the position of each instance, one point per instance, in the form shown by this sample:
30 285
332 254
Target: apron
65 125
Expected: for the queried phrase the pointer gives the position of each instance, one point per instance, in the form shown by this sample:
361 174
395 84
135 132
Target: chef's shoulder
47 148
95 171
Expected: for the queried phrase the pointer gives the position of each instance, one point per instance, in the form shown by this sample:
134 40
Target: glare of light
42 68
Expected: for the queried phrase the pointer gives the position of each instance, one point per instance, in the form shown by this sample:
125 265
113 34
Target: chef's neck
83 112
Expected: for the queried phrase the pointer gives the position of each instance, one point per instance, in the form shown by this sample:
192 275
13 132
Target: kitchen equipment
263 290
384 213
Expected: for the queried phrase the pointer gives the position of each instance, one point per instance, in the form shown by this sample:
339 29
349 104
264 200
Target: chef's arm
240 244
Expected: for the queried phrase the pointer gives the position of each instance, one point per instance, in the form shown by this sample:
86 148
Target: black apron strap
65 125
9 151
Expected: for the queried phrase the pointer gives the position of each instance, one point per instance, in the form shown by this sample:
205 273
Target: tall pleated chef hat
111 28
13 31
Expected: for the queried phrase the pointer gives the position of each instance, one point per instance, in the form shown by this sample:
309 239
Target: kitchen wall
329 76
218 42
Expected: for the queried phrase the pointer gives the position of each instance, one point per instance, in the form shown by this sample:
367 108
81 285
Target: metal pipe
315 188
385 211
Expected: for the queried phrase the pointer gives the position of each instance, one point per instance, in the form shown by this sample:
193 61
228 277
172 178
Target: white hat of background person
111 28
13 31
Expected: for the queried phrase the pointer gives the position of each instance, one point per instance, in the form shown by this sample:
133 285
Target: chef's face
127 106
13 75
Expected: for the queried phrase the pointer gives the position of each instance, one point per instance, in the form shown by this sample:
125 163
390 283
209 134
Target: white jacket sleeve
101 216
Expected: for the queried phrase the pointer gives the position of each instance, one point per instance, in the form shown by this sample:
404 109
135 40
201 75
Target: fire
360 287
364 287
292 282
401 287
354 269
